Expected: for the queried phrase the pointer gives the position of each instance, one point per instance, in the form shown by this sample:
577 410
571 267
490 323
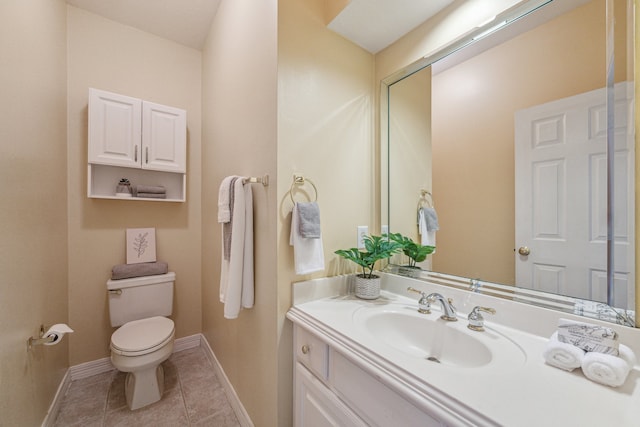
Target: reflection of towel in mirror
309 220
428 225
308 254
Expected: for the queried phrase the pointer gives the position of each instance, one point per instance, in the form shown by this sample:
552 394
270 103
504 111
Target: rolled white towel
608 369
562 355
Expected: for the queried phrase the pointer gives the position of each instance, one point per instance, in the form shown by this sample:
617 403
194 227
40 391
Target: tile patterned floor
193 396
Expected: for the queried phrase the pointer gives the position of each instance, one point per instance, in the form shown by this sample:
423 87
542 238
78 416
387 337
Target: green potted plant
375 249
415 251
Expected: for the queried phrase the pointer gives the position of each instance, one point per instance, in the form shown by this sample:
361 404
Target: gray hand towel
431 219
151 195
127 271
150 189
228 226
309 220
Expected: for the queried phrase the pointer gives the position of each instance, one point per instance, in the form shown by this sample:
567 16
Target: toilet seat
143 336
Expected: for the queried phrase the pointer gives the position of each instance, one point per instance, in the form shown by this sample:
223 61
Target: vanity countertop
524 391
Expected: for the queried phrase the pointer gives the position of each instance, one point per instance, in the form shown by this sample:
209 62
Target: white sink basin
426 336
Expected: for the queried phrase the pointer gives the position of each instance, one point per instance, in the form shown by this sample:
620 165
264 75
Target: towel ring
423 199
300 180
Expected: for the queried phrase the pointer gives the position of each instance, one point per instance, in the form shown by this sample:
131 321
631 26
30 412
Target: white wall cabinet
135 139
331 390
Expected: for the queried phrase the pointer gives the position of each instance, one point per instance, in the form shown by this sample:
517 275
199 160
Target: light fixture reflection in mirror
458 143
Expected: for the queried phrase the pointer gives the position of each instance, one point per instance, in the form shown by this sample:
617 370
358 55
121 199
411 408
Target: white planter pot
409 271
367 288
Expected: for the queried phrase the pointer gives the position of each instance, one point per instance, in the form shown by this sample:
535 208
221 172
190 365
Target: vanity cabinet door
164 138
316 406
375 402
312 352
114 129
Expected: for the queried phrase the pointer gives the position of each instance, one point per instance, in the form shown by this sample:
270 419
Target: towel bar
264 180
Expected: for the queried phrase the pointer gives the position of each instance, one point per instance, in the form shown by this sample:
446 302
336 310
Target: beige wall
239 138
325 116
33 217
636 57
117 58
410 152
323 113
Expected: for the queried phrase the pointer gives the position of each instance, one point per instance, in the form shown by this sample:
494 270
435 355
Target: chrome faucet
424 306
476 321
447 306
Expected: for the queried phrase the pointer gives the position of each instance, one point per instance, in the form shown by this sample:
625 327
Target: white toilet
145 337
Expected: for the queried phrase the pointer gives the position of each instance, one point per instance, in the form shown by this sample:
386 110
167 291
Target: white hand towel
236 278
308 253
427 236
608 369
224 194
562 355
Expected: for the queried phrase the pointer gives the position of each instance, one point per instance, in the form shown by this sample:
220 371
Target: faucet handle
424 306
453 307
476 321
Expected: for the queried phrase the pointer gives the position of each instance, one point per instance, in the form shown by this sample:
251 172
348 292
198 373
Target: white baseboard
89 369
52 413
234 401
100 366
185 343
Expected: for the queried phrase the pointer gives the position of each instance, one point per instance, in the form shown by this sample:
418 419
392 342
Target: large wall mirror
523 142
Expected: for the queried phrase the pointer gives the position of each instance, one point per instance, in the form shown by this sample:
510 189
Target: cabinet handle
146 155
305 349
135 154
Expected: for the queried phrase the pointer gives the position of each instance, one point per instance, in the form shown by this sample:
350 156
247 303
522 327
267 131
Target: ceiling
371 24
184 21
375 24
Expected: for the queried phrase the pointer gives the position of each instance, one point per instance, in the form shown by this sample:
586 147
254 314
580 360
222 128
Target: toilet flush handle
115 291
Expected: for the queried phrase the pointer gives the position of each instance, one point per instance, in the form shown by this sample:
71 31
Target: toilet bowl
138 348
145 337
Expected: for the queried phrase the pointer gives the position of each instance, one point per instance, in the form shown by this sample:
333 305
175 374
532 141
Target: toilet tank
140 297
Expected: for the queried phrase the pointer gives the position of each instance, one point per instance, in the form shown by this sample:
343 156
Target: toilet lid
142 336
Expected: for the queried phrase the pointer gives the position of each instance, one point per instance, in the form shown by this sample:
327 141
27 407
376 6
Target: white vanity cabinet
334 390
148 139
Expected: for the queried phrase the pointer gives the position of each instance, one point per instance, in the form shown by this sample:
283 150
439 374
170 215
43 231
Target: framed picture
141 245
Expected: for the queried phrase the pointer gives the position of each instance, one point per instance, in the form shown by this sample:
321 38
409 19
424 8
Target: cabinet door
371 399
164 138
114 129
316 406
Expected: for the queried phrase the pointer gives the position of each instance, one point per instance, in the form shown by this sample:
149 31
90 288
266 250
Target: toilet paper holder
50 337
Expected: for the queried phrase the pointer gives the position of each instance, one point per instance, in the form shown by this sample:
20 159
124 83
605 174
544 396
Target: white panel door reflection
561 199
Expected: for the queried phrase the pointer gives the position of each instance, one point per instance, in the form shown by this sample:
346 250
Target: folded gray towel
309 220
127 271
151 195
431 219
158 189
228 226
